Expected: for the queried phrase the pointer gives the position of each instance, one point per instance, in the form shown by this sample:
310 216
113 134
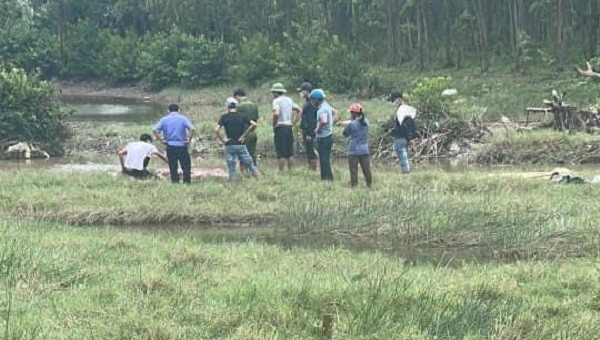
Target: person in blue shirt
357 132
323 132
176 132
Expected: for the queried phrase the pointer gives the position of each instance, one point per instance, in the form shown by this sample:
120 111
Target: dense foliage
204 42
30 112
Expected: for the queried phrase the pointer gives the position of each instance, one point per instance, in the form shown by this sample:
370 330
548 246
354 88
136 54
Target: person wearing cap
134 157
323 132
176 131
357 132
308 124
405 128
237 128
283 122
249 109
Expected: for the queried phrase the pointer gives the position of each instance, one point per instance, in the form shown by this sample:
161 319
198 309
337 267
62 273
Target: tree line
203 42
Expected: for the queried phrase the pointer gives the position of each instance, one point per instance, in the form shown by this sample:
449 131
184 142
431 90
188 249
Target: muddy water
112 109
278 236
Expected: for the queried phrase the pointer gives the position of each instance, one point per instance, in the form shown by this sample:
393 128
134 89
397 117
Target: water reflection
112 109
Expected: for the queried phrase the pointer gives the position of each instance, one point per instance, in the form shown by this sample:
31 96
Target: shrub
259 60
120 60
29 48
81 54
159 56
426 94
203 61
29 110
323 60
178 58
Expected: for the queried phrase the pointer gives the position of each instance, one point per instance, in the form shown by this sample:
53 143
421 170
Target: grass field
430 255
478 254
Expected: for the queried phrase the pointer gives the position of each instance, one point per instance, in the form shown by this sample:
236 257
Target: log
589 72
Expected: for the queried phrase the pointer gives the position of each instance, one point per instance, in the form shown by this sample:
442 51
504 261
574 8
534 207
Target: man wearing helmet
283 121
323 132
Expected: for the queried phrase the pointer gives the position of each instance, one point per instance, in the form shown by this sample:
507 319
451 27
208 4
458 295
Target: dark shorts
309 145
284 141
139 174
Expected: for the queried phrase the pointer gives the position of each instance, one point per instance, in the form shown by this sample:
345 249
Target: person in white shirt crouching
134 158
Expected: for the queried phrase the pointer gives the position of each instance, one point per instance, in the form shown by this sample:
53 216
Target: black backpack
408 129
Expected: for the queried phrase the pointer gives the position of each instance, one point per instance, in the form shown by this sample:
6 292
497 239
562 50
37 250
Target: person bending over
134 157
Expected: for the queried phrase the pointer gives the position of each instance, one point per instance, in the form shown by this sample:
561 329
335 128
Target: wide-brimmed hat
278 87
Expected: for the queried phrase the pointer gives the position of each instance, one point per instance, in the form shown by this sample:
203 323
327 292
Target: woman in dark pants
357 132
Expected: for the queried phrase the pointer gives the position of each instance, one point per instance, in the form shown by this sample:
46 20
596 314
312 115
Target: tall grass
425 216
63 282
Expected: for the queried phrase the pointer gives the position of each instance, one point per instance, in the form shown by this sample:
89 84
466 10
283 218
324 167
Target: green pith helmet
278 87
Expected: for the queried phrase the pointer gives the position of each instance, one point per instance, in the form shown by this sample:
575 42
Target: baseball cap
231 102
317 94
305 86
395 95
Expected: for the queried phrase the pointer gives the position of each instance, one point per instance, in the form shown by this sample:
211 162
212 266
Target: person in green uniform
250 110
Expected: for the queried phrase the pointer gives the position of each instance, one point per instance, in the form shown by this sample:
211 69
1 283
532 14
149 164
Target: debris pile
448 137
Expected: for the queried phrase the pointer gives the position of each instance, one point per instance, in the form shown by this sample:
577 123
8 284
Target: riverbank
417 211
509 144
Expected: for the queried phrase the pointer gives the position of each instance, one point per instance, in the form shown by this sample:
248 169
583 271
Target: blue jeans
401 148
241 152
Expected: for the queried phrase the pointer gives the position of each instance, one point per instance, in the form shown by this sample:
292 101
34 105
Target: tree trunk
559 33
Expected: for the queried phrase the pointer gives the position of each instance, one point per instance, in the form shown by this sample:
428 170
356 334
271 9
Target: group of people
236 130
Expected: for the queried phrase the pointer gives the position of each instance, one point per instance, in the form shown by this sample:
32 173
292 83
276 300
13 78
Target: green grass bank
61 282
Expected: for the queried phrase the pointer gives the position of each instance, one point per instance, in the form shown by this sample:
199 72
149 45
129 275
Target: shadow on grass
452 251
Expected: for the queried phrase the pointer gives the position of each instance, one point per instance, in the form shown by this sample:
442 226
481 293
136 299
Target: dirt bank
540 152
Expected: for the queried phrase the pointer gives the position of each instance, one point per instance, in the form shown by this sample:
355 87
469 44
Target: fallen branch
589 72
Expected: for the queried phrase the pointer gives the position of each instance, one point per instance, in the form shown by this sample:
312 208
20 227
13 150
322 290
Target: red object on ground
197 174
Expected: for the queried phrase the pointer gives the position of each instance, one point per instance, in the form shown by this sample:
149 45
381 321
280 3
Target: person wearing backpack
405 129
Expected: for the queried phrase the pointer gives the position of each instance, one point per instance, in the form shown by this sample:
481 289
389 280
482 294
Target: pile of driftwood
566 116
437 138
